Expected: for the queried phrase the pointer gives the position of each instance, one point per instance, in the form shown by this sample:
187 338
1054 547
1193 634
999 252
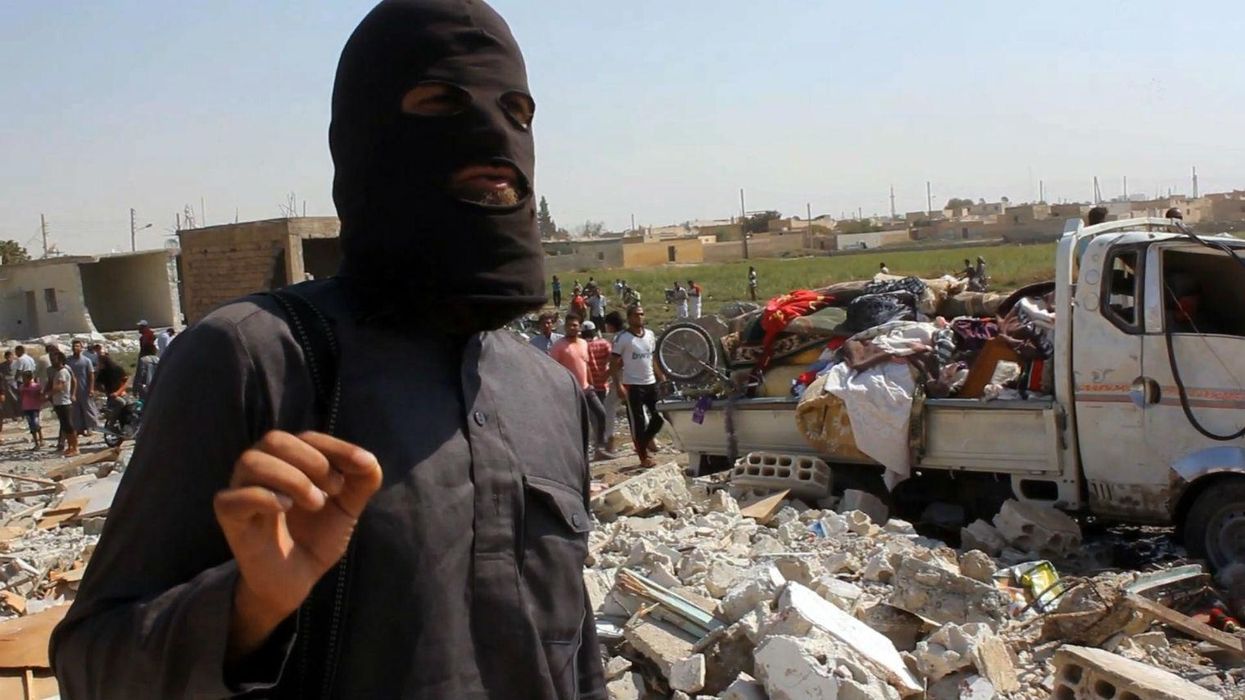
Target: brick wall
222 263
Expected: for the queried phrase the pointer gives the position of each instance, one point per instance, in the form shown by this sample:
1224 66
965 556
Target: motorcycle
122 418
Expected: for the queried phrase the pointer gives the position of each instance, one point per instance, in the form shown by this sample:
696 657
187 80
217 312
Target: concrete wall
571 256
873 239
727 251
21 319
221 263
653 254
775 246
121 290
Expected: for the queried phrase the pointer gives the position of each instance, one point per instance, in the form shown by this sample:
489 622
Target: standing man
145 373
146 337
85 414
596 306
599 351
752 283
61 394
579 305
613 325
556 288
572 353
679 297
694 293
634 365
545 339
163 340
433 545
92 354
22 362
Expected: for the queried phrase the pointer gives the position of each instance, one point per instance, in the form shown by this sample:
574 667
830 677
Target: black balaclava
410 246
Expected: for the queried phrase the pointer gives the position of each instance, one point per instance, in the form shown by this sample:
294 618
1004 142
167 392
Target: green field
1008 266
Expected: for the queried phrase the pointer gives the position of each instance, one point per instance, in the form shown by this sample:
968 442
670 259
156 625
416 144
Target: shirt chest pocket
555 544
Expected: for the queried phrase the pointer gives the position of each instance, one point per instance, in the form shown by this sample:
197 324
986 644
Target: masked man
457 514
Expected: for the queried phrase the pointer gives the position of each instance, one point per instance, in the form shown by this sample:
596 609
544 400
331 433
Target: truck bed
1018 437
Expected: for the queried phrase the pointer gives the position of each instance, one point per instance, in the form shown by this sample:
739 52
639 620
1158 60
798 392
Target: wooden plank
64 512
31 479
28 683
33 492
764 509
1186 624
24 640
15 601
71 467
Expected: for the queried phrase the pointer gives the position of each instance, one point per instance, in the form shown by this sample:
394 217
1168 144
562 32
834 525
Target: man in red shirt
599 376
146 337
572 353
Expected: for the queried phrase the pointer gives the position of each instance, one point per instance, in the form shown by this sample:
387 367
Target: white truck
1147 420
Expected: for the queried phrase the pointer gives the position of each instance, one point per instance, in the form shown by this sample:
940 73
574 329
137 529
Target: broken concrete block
840 562
616 667
628 687
744 687
939 595
895 526
842 593
720 577
663 487
791 532
801 569
859 523
688 674
994 662
865 502
815 669
1038 529
1094 673
722 502
949 649
801 607
597 585
806 477
983 536
978 566
879 568
663 644
759 585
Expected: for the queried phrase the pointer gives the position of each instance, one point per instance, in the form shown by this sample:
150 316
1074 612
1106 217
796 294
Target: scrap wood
1186 624
28 684
62 513
70 468
15 601
24 640
33 492
31 479
763 510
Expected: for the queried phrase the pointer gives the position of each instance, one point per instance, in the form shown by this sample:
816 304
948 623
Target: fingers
305 457
361 472
240 506
258 468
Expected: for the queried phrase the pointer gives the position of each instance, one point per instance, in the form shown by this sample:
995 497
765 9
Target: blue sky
658 109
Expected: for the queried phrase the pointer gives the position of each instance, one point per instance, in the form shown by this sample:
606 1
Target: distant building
222 263
88 294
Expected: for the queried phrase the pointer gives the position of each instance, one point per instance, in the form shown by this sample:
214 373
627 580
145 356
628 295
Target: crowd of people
612 359
71 384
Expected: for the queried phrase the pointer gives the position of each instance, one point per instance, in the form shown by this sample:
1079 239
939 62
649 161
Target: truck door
1198 294
1107 363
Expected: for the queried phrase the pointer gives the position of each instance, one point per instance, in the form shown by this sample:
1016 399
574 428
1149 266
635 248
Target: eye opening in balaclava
408 174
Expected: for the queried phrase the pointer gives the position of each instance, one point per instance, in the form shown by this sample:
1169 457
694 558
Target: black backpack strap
316 337
310 673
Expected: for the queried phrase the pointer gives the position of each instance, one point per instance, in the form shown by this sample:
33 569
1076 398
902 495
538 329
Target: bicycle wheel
686 352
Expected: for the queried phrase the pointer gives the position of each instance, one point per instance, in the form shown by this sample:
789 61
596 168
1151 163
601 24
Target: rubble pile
698 595
114 343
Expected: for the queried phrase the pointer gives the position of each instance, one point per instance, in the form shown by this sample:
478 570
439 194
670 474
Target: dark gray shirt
466 566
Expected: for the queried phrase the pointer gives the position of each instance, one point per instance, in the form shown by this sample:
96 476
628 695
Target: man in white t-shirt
634 366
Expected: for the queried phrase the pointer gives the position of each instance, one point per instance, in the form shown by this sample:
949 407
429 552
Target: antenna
1195 182
892 201
43 227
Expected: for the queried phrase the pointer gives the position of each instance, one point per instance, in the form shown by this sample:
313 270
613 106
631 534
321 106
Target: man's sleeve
152 617
591 670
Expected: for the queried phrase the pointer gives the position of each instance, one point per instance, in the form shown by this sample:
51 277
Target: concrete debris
700 598
1035 529
1082 672
866 503
983 536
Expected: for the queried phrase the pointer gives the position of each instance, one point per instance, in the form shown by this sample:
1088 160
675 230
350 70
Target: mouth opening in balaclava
432 144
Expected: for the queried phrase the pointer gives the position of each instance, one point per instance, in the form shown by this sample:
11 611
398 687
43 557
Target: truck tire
1215 525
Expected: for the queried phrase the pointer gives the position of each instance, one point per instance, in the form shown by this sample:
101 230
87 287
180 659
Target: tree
759 222
591 229
544 221
12 252
959 203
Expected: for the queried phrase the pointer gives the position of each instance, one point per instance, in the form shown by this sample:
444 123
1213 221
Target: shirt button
577 520
479 418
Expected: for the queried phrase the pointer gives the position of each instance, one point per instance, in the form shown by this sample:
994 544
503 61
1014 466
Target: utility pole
892 202
1195 182
743 221
808 225
43 227
1097 192
1125 188
633 222
929 200
133 232
1041 191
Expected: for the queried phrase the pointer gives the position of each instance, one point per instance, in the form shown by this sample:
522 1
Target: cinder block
1083 673
807 477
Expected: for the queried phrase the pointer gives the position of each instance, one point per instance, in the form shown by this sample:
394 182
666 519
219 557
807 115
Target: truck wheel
1215 526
